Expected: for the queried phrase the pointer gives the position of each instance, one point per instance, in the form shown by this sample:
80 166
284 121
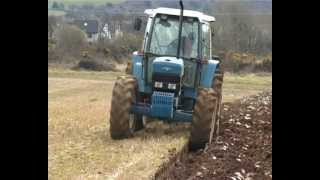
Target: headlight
158 84
171 86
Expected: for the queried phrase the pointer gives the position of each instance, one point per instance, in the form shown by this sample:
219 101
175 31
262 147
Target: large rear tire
217 86
122 123
204 111
218 81
208 106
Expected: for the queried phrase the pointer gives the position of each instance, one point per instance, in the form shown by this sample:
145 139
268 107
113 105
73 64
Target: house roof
90 26
176 12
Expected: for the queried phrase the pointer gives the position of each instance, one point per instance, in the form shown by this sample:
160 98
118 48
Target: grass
79 142
236 86
81 2
56 13
89 75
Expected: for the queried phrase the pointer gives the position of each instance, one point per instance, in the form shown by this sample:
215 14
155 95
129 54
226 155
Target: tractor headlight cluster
172 86
158 84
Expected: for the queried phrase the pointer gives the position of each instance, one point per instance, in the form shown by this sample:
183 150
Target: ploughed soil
243 150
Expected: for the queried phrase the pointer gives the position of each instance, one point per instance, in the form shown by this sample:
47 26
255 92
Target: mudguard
208 72
137 72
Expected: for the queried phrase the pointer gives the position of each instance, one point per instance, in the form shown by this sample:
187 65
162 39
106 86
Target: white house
91 27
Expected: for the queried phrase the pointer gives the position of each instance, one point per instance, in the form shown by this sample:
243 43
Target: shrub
265 65
119 48
94 65
236 62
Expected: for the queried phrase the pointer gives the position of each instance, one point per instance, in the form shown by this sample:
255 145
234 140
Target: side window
206 41
146 34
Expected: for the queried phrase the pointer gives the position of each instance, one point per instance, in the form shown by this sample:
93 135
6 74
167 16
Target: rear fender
137 72
208 72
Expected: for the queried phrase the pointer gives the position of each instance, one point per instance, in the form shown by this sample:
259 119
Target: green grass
56 13
81 2
89 75
79 143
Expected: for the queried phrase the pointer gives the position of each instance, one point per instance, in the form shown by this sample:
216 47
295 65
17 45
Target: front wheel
123 123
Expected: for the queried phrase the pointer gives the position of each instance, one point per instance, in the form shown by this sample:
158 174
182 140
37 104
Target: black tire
122 123
218 81
138 123
217 86
204 109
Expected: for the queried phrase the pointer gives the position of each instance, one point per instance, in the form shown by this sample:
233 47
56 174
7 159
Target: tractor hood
169 66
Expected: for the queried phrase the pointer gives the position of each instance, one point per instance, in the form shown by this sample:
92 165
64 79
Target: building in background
90 27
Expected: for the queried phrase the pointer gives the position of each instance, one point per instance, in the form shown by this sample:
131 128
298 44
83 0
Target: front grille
162 98
162 104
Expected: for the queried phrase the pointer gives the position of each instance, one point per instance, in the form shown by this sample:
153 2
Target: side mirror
137 24
212 32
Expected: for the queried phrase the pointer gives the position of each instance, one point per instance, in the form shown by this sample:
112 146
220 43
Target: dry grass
80 146
236 86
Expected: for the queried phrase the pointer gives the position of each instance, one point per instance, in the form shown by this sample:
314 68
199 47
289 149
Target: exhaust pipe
180 28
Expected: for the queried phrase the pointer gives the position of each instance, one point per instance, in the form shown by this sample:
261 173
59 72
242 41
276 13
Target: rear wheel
204 114
218 81
217 86
123 123
207 110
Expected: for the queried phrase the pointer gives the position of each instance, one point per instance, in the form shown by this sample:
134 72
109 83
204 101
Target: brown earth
243 151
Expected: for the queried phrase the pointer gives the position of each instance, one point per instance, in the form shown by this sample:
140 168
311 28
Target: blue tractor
173 78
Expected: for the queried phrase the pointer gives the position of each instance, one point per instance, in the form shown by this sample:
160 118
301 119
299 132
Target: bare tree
70 40
239 29
52 24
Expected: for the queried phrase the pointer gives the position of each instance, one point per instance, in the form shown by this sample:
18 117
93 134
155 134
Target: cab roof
176 12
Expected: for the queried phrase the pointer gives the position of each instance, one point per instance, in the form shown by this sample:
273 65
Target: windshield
164 38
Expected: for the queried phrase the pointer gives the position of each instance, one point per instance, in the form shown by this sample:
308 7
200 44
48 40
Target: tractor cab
175 56
165 23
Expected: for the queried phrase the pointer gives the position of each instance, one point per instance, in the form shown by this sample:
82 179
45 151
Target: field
243 149
79 143
79 2
56 13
